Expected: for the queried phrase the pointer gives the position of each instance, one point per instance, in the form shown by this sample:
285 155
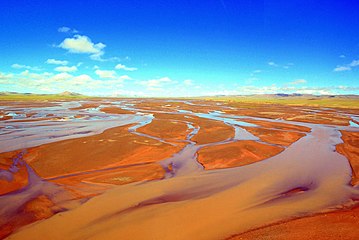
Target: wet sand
113 147
342 225
175 169
350 149
279 137
235 154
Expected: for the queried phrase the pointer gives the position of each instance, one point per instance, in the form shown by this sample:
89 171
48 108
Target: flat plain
204 168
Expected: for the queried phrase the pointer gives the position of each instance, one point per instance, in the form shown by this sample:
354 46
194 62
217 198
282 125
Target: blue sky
179 48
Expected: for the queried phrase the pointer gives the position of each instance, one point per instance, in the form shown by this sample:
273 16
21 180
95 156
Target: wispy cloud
156 84
54 83
106 73
4 78
295 89
66 69
123 67
273 89
56 62
298 81
273 64
123 78
111 75
354 63
285 66
67 30
21 66
342 68
188 82
347 67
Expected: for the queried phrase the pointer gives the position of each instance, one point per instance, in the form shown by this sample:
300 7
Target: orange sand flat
19 181
350 150
115 110
113 147
180 117
290 113
235 154
210 130
90 184
343 225
278 125
146 172
165 129
34 210
323 118
275 136
142 172
20 178
5 118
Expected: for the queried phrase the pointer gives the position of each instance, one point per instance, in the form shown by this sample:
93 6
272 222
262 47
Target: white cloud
285 66
106 73
66 69
298 81
124 77
20 66
342 68
61 76
55 83
123 67
347 67
246 90
273 89
98 56
354 63
29 74
5 78
46 82
273 64
156 84
83 44
67 30
188 82
56 62
63 29
82 78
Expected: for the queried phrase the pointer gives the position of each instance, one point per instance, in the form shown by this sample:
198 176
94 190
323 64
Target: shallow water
61 126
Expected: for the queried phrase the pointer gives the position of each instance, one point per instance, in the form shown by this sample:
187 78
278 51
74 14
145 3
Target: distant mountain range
269 96
66 93
292 95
